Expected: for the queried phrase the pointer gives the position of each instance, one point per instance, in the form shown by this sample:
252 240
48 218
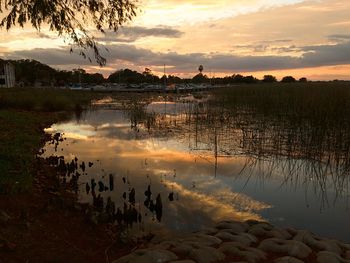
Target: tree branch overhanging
70 19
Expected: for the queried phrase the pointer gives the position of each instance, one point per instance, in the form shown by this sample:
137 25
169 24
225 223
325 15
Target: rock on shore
249 241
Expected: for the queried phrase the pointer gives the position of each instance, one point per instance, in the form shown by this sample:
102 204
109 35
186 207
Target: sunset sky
258 37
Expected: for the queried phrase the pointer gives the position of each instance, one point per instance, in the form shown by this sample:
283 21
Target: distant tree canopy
250 79
80 75
174 79
269 78
288 79
32 72
125 75
29 71
70 18
132 76
237 78
148 76
200 78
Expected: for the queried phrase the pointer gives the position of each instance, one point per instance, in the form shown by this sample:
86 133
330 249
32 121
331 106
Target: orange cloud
340 72
228 37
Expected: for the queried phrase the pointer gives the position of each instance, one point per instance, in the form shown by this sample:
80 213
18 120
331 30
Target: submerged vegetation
303 121
293 129
303 128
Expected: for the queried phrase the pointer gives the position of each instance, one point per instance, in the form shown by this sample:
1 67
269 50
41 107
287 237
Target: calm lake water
204 168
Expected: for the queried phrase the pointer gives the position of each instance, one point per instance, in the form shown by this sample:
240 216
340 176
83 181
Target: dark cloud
339 37
251 47
327 54
43 35
131 34
50 56
277 41
324 55
288 49
268 45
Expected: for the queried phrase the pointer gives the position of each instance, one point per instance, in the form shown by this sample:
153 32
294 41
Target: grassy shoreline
21 137
24 113
30 205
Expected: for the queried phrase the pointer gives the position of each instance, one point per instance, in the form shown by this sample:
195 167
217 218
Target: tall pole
211 77
79 74
166 97
164 77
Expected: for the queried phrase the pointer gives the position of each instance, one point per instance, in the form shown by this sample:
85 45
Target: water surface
205 168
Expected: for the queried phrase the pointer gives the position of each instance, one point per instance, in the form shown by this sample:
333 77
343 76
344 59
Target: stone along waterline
249 241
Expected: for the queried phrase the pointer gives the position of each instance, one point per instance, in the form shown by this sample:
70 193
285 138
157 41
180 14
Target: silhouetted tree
238 78
250 79
77 74
269 78
147 72
174 79
30 71
303 79
95 78
63 77
149 77
126 76
200 78
164 79
70 18
288 79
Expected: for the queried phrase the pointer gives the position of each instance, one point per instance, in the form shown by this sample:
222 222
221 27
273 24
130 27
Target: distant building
7 75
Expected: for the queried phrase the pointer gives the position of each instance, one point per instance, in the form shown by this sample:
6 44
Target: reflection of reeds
135 111
303 128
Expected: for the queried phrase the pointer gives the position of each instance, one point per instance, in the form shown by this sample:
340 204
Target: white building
7 75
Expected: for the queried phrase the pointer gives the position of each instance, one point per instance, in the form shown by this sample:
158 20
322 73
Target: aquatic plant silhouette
308 147
111 182
301 129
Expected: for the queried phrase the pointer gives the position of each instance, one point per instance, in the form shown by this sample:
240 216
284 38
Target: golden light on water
167 164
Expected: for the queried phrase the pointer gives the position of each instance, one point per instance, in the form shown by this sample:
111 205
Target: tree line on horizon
32 72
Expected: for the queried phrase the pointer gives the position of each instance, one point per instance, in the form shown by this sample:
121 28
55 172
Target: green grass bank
24 113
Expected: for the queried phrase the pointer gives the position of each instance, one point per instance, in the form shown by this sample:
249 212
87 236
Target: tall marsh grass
316 101
303 127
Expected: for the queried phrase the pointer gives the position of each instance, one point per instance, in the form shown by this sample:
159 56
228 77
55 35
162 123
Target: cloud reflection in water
166 164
